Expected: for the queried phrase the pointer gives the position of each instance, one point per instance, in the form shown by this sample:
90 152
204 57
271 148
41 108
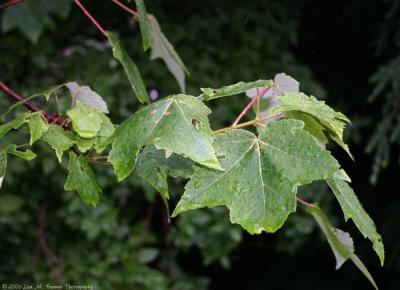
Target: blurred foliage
126 243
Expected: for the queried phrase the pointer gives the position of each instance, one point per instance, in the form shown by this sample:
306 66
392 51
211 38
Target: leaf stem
250 104
249 123
126 8
91 18
306 203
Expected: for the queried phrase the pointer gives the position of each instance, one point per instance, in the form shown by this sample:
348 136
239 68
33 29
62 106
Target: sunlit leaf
37 126
85 120
13 150
59 139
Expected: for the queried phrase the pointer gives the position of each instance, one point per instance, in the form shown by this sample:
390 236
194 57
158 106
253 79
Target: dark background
340 51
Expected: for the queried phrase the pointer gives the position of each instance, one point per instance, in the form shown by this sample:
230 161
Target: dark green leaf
353 209
341 243
131 70
154 167
81 178
145 27
162 48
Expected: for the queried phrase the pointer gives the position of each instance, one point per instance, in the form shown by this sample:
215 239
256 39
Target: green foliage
260 176
165 139
145 27
168 124
81 178
85 120
353 209
131 70
341 243
238 88
162 48
324 117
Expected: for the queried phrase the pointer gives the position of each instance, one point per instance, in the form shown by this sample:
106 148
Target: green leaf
177 124
162 48
131 70
261 175
331 121
14 124
13 150
353 209
341 243
59 139
144 22
81 178
37 126
154 167
106 131
238 88
3 166
85 120
87 96
85 144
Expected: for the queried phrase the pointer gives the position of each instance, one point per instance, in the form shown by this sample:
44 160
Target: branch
49 117
10 3
91 18
126 8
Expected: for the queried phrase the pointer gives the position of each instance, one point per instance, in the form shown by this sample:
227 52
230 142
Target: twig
249 123
91 18
249 105
126 8
306 203
49 117
10 3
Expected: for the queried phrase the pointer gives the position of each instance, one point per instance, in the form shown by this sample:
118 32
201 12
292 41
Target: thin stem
10 3
249 123
306 203
250 104
126 8
50 118
91 18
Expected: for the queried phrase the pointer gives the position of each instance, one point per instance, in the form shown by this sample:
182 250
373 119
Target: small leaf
154 167
27 155
238 88
14 124
284 84
145 27
59 139
341 243
353 209
131 70
167 124
85 144
37 126
261 175
162 48
81 178
3 166
331 121
87 96
85 120
106 130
